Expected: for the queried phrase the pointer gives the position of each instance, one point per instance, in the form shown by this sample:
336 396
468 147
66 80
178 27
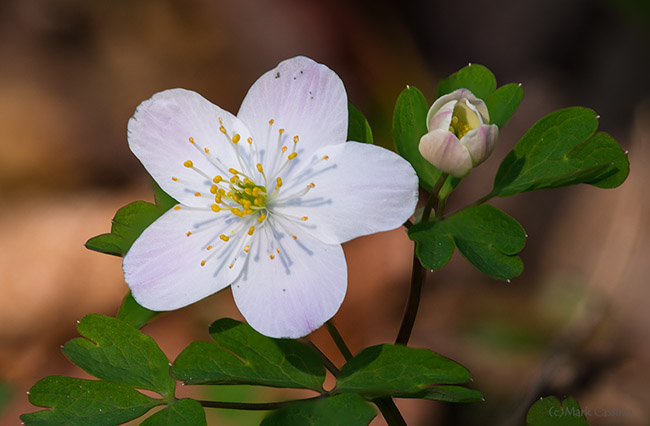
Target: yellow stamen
326 157
294 237
281 131
261 218
222 130
250 140
188 233
279 182
197 194
191 140
208 248
214 189
207 151
304 218
251 230
215 208
293 155
246 248
174 178
284 148
177 207
236 211
188 164
271 121
217 179
224 237
260 168
203 263
233 171
236 138
295 139
271 256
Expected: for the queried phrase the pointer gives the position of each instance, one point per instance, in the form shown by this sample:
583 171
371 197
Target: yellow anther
260 168
251 230
197 194
311 185
250 140
247 180
246 248
189 233
188 164
256 191
261 218
284 148
277 250
217 179
278 181
326 157
236 211
215 208
207 151
233 171
217 198
304 218
234 179
174 178
281 131
271 121
271 256
294 237
295 139
222 129
214 189
203 263
231 265
208 248
224 237
192 140
222 191
248 191
220 120
234 197
248 211
236 138
177 207
292 155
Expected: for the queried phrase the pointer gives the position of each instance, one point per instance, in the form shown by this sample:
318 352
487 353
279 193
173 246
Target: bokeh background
575 323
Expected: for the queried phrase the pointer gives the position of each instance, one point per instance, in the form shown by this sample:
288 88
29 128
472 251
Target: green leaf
358 128
133 313
477 78
344 409
115 351
129 222
241 355
184 412
395 369
80 402
549 412
559 150
503 102
446 393
409 125
486 236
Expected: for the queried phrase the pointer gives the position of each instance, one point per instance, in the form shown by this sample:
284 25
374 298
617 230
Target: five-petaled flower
265 198
459 136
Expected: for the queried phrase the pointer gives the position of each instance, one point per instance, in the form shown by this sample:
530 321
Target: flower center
464 118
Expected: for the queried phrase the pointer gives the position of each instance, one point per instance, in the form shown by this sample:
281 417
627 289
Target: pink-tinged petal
442 118
480 142
359 189
443 149
298 290
159 134
163 267
304 98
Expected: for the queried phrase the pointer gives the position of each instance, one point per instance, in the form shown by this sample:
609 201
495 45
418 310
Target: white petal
163 267
443 149
159 135
304 98
297 291
480 142
359 190
443 116
457 95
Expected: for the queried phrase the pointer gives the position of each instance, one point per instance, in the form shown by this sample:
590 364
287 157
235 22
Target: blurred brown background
575 323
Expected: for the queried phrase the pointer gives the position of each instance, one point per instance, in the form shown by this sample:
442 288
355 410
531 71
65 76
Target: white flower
265 198
459 137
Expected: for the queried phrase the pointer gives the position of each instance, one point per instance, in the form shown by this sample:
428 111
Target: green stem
336 336
426 214
254 406
328 364
408 320
390 411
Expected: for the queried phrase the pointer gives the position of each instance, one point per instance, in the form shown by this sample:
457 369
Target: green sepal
80 402
183 412
474 77
409 125
561 149
358 127
486 236
116 351
133 313
395 369
550 412
129 222
241 355
344 409
503 103
445 393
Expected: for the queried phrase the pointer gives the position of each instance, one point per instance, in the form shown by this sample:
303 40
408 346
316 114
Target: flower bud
459 136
